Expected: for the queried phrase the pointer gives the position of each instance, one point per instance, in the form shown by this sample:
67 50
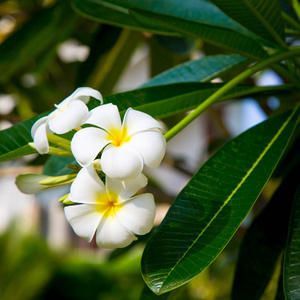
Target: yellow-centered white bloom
69 114
109 210
125 147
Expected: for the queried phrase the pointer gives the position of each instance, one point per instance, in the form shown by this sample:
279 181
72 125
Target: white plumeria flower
109 211
126 147
69 114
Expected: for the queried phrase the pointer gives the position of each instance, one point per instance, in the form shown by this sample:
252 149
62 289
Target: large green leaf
204 69
220 36
264 241
292 253
14 140
262 17
196 19
209 210
158 101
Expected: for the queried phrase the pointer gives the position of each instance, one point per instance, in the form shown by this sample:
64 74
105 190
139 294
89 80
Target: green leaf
114 14
262 17
57 165
263 243
219 36
292 254
209 210
14 140
196 19
204 69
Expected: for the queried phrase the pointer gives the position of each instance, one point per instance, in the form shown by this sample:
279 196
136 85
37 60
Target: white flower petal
86 186
136 121
84 94
121 163
137 214
74 116
151 144
87 143
106 116
111 234
37 124
128 188
84 219
40 139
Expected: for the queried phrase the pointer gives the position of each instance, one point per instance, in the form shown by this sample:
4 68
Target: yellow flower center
118 137
108 204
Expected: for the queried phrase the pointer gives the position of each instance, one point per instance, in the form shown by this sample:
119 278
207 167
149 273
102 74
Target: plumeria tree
101 144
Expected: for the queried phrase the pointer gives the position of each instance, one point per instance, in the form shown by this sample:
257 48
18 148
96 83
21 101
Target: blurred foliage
31 270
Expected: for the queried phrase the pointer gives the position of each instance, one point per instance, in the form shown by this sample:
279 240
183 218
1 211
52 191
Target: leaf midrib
232 194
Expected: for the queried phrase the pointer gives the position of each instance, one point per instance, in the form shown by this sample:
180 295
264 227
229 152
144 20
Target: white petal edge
37 124
137 214
151 145
40 139
84 219
135 121
86 186
121 163
84 94
128 188
106 116
111 234
87 143
74 116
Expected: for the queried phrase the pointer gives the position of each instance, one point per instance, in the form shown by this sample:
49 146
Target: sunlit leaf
292 253
209 210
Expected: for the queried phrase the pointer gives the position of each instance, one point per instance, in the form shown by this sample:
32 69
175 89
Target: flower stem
227 87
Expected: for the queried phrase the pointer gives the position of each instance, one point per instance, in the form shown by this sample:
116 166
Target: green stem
227 87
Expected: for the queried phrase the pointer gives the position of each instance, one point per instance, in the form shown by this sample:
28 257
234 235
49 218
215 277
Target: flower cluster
109 210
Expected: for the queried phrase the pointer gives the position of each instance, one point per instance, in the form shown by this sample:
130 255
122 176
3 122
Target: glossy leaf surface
196 19
204 69
209 210
219 36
